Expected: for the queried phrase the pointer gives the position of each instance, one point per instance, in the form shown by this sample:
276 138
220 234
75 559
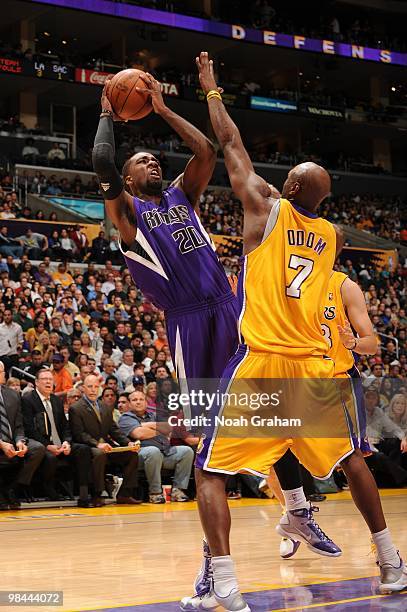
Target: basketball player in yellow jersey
289 255
344 311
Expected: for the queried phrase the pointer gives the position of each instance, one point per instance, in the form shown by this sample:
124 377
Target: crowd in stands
369 212
220 210
316 21
83 330
221 213
94 344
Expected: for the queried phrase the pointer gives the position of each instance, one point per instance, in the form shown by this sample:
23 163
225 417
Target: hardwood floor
129 557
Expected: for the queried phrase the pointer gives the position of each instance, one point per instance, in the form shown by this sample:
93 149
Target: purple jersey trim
304 212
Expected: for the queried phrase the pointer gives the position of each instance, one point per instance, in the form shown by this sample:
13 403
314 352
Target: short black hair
126 167
109 389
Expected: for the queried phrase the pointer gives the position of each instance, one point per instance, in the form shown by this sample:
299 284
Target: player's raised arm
119 203
355 305
250 188
199 169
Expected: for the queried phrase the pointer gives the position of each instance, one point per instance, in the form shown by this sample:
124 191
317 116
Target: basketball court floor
144 559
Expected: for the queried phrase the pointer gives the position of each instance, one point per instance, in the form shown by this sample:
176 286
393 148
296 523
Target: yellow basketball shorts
302 411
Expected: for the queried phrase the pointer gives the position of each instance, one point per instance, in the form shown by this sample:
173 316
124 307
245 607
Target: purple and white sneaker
299 525
203 580
203 598
288 548
393 578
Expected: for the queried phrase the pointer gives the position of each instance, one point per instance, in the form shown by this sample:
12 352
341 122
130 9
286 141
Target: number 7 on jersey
294 288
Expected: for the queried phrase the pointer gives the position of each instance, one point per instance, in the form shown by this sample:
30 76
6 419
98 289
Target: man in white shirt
125 371
108 285
11 340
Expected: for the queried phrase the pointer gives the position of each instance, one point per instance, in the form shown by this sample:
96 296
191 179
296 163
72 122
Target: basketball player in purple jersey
168 252
172 260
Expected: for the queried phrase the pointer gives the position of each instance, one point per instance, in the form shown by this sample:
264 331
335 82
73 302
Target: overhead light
64 42
393 88
47 34
317 77
300 74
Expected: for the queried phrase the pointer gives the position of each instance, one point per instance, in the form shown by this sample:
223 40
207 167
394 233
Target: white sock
224 575
295 499
386 550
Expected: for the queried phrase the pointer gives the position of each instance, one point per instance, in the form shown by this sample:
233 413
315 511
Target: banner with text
236 32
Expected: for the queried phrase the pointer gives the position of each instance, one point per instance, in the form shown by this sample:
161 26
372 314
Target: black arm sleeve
110 180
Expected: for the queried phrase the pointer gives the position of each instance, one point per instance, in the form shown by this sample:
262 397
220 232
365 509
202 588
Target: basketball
127 102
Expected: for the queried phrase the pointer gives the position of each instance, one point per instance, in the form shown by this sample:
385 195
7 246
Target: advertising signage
91 77
96 77
236 32
272 104
323 112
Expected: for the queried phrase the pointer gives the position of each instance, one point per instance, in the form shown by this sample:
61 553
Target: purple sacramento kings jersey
172 259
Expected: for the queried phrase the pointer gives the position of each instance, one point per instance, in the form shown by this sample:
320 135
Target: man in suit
45 421
93 424
15 449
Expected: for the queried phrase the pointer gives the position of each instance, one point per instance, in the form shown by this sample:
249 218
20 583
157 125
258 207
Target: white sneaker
233 602
288 547
199 602
392 578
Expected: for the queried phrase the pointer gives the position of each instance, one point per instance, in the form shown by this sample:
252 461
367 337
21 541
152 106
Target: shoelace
207 578
314 526
373 551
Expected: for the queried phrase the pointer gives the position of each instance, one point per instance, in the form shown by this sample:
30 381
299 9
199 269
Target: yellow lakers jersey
283 284
334 315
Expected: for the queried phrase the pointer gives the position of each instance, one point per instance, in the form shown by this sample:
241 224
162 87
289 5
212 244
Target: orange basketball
127 102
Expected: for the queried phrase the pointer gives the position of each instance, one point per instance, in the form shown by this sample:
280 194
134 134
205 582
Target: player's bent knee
354 458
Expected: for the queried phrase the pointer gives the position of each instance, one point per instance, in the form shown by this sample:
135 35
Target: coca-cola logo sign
98 78
92 77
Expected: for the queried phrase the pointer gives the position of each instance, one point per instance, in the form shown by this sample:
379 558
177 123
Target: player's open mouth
155 173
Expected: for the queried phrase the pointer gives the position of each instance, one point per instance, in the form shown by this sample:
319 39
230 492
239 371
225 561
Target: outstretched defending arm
250 188
199 169
119 204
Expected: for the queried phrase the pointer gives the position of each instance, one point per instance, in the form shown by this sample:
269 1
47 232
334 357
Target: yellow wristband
213 93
